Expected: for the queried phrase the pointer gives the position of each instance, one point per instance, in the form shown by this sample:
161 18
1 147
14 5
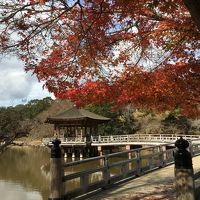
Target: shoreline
24 143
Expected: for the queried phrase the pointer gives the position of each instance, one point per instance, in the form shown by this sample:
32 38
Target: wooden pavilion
76 122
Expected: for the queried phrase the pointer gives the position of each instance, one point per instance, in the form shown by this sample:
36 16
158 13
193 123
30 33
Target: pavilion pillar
75 132
96 130
81 132
56 131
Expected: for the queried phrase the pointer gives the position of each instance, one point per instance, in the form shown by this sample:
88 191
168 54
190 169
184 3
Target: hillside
40 129
123 122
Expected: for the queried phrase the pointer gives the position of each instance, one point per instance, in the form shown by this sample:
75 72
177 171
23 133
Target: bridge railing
124 138
74 140
114 168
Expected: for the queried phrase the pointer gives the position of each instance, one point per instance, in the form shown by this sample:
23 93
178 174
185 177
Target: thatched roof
77 117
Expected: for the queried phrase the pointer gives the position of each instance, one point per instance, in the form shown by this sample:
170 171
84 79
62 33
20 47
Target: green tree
16 121
122 121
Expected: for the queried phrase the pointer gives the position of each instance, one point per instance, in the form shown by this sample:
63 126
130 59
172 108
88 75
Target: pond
21 176
24 173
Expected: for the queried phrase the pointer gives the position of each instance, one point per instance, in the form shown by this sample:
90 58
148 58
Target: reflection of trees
22 165
26 166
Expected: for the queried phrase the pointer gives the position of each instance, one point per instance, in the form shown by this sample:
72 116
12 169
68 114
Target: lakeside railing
133 163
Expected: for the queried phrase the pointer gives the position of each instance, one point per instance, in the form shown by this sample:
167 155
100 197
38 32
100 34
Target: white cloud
16 85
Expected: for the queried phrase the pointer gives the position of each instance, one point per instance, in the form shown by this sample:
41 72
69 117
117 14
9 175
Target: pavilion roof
75 116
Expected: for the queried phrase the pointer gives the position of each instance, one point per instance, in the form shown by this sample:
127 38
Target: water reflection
14 191
20 172
24 172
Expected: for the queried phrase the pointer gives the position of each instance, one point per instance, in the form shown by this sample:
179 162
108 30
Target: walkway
157 185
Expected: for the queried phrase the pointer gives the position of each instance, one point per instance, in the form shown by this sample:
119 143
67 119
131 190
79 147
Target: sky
17 86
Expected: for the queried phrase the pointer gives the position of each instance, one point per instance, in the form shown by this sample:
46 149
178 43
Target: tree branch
193 7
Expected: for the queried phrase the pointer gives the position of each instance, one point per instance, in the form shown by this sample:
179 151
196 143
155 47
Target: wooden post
81 155
88 145
190 148
65 155
99 148
128 148
106 173
162 155
138 163
124 170
73 154
84 182
56 171
184 181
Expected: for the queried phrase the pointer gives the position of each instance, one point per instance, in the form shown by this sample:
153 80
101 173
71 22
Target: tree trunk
193 7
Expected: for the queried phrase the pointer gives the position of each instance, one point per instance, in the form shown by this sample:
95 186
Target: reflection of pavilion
76 123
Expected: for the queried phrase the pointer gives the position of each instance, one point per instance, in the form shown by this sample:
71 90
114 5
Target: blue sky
16 86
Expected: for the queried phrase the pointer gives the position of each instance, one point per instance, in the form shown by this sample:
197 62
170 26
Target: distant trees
128 120
176 124
34 107
16 121
122 120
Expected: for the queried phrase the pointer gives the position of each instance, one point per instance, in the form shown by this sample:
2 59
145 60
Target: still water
24 173
21 174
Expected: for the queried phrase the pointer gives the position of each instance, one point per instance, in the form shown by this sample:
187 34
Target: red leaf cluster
163 89
143 52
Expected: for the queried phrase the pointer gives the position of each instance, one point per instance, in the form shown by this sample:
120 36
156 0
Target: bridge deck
155 185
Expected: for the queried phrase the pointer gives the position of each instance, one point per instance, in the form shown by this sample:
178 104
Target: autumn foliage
144 53
160 90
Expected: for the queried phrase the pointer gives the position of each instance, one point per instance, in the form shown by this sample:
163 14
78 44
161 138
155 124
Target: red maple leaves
163 89
143 52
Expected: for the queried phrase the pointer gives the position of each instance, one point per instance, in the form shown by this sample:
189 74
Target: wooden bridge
99 145
131 139
129 164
